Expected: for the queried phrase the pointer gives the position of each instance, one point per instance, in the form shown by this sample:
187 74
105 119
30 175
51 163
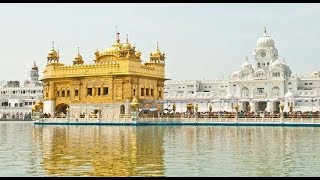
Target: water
35 150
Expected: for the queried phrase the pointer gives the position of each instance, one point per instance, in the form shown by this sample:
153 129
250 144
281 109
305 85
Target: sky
201 41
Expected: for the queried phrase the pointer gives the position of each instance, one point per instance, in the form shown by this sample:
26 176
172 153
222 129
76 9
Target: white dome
265 41
289 94
236 73
246 65
277 63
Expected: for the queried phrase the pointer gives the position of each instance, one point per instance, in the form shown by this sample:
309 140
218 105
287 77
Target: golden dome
138 54
53 53
115 47
157 52
78 57
126 45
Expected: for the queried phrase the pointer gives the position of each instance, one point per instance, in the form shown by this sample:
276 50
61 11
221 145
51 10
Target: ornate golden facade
107 85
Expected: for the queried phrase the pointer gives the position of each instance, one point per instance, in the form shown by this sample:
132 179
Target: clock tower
265 53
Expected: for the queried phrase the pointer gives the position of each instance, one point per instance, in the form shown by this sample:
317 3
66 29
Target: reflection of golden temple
116 75
101 151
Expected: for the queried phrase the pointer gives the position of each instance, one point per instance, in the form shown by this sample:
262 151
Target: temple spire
117 35
127 39
78 50
265 29
157 46
52 44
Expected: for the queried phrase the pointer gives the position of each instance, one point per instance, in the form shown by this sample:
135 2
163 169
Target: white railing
186 120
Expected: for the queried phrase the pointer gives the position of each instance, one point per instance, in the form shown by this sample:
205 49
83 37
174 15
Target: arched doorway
61 108
262 105
122 109
245 106
276 107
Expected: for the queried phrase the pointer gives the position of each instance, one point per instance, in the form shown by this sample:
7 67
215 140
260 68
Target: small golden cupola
138 54
97 53
78 59
53 56
156 56
126 45
116 46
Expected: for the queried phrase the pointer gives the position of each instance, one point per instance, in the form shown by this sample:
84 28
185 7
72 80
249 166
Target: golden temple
105 86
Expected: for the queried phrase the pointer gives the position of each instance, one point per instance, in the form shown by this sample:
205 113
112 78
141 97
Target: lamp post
237 109
135 107
210 108
188 106
281 105
158 108
290 107
67 112
196 109
220 109
33 111
174 108
147 106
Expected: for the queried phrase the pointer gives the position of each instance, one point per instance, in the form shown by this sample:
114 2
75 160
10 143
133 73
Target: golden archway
61 109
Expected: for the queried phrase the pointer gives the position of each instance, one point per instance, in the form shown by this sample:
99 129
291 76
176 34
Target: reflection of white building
17 101
262 85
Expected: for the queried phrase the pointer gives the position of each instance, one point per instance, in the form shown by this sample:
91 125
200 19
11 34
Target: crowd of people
228 114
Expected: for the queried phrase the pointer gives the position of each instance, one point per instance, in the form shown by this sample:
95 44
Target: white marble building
263 84
16 101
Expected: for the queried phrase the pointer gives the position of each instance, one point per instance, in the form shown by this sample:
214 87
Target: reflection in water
102 150
242 151
34 150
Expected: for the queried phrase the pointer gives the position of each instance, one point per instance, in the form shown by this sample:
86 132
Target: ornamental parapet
112 68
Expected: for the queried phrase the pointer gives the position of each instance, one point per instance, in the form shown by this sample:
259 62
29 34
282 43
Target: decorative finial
78 50
265 29
127 39
246 58
34 63
117 35
52 44
157 46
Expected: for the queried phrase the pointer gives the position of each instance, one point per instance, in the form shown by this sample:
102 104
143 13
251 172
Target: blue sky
200 40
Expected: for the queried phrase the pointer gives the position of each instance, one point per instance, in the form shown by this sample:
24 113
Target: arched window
245 92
